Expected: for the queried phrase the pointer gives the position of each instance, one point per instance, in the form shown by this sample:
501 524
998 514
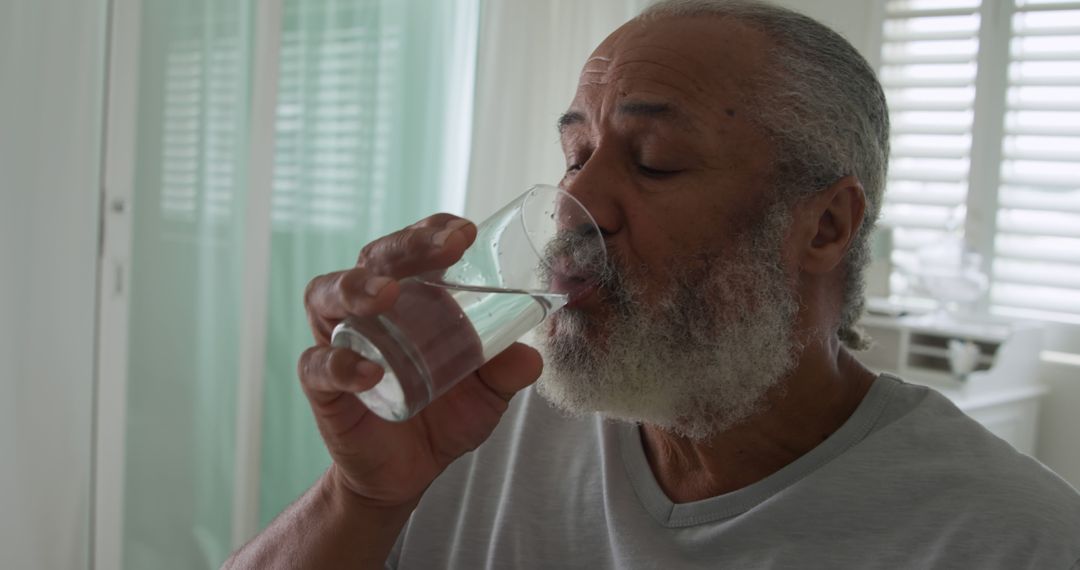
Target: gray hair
824 112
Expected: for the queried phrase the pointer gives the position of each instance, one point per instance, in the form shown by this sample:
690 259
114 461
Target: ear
828 223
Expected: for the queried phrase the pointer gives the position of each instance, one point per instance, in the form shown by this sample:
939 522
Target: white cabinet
1000 389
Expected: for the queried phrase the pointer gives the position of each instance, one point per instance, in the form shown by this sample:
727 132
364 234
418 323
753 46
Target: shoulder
950 465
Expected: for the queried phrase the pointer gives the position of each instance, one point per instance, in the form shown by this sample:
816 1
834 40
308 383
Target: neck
805 409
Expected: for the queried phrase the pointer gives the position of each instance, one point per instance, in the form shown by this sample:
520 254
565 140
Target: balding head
824 113
724 169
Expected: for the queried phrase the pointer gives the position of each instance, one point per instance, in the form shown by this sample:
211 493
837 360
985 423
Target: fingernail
457 224
366 368
376 284
439 239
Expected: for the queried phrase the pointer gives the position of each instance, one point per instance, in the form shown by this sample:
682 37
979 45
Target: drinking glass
526 263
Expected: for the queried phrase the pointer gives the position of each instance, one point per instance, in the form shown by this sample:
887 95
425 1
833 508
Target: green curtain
368 138
364 134
187 263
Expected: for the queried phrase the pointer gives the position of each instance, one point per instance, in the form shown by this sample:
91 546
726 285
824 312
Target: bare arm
328 527
351 517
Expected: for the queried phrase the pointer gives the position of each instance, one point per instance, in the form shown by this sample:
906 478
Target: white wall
525 78
51 72
1059 422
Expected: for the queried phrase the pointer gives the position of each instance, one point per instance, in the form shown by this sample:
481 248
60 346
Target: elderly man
701 409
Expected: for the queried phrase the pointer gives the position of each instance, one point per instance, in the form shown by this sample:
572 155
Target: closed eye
571 170
656 172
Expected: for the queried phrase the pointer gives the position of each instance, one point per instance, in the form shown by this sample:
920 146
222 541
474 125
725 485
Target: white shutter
181 130
1036 269
203 114
329 158
928 69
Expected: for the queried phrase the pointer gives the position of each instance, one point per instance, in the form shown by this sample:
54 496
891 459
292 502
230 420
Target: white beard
697 362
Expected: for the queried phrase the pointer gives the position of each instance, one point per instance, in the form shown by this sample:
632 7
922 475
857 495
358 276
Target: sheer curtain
188 216
528 64
372 132
373 127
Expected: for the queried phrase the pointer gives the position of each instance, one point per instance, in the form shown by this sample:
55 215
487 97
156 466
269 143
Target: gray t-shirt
908 481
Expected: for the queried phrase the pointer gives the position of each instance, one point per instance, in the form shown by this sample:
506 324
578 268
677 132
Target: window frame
1061 336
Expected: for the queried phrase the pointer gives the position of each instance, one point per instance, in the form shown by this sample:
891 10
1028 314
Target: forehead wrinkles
596 68
667 65
659 71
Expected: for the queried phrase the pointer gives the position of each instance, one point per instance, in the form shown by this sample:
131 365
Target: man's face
692 322
659 145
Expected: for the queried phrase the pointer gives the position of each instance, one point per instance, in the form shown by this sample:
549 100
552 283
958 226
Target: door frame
117 189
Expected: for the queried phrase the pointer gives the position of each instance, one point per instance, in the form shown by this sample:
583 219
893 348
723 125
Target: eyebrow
637 109
570 118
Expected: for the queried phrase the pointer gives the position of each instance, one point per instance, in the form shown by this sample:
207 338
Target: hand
389 464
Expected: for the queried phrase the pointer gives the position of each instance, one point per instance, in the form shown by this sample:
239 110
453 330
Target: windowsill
1061 337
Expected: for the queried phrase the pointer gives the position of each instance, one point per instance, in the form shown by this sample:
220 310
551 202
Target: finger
422 247
512 370
436 220
337 411
326 372
330 298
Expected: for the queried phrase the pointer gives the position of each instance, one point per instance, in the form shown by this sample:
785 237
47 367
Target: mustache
578 254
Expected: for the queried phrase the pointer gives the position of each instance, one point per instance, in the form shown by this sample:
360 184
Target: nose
596 187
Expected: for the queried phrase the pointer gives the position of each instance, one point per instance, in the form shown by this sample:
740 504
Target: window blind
372 127
1015 192
204 91
334 106
180 160
928 71
1036 269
